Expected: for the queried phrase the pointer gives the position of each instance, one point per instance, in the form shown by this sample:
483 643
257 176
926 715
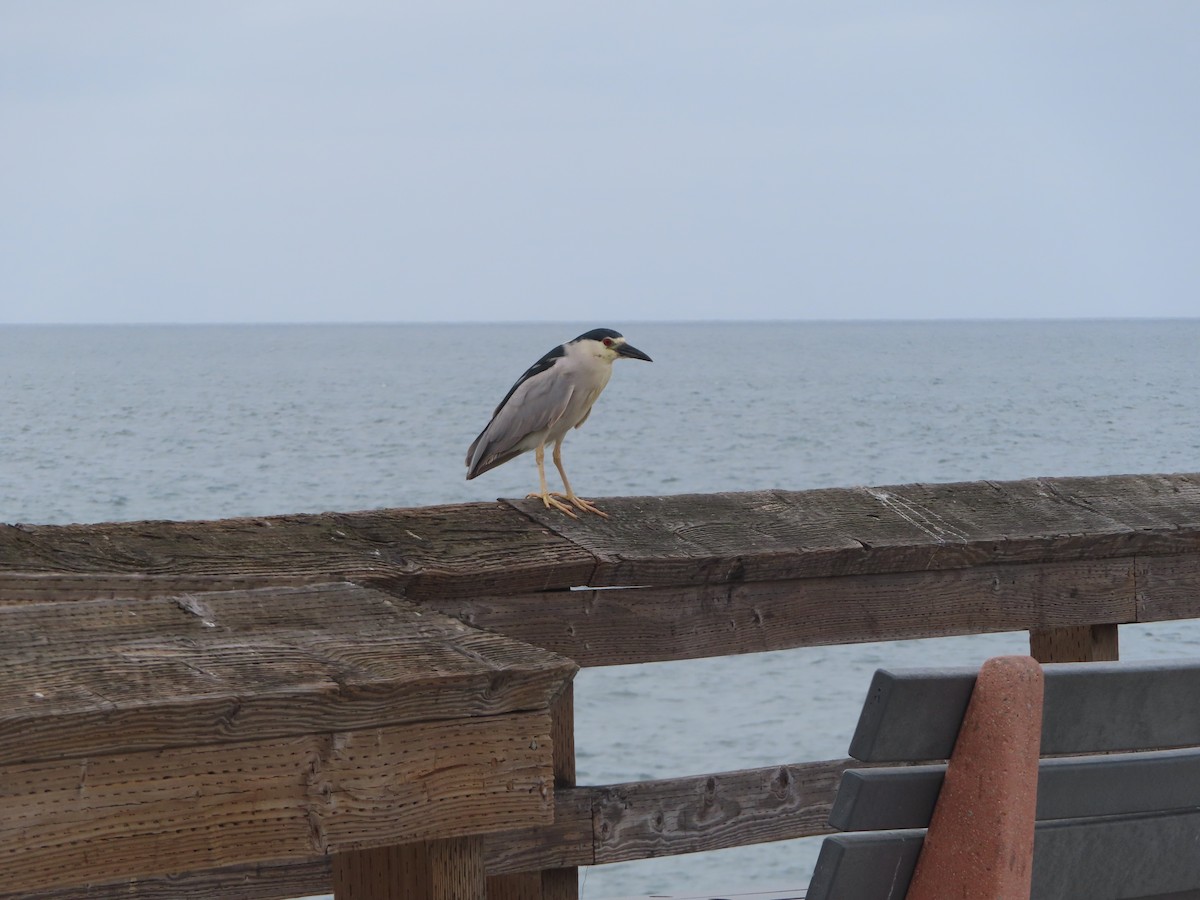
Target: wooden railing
668 578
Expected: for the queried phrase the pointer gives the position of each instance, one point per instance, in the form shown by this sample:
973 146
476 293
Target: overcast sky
311 160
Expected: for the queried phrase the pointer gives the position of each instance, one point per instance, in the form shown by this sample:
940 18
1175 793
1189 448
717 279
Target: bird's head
609 345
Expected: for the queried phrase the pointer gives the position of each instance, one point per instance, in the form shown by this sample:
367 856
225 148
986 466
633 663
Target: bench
1021 811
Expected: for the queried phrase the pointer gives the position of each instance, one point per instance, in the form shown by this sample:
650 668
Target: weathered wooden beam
772 535
276 880
105 676
144 737
688 815
1168 587
464 550
177 810
618 626
591 825
433 550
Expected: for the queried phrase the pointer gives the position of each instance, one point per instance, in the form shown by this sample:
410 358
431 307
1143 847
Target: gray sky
311 160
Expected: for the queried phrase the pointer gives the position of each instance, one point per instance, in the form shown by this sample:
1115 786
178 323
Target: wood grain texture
562 882
519 546
275 880
151 813
1074 643
565 843
591 825
103 676
687 815
432 550
522 886
1168 587
450 869
768 535
634 625
559 882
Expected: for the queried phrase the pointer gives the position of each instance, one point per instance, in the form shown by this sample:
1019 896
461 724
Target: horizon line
432 322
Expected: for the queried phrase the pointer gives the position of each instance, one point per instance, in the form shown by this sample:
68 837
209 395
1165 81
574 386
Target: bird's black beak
632 352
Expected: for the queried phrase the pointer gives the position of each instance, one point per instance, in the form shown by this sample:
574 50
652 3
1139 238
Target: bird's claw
585 505
551 503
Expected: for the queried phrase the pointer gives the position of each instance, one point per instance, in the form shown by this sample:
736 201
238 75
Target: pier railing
664 578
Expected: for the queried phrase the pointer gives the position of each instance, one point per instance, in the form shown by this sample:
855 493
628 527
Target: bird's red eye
608 342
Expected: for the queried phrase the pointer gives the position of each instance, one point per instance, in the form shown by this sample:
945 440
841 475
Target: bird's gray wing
534 404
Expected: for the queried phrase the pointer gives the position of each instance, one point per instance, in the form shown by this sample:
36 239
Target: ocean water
101 423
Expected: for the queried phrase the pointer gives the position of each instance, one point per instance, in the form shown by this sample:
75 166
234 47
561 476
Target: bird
554 395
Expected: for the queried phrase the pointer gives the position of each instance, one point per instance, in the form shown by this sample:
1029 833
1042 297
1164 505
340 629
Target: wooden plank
877 799
770 535
1074 643
432 551
275 880
1168 587
188 809
701 812
450 869
914 714
634 625
567 841
688 815
107 676
494 548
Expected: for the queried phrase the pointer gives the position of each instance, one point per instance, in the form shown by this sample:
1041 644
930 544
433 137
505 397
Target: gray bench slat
874 865
1097 707
1123 784
1117 858
1142 857
914 714
1068 788
883 799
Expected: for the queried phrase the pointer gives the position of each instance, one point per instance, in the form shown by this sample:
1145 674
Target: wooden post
562 884
549 884
1074 643
521 886
449 869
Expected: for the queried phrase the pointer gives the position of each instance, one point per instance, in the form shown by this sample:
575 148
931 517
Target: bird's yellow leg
545 496
570 494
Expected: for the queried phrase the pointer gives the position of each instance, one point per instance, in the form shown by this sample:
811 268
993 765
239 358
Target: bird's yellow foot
585 505
551 503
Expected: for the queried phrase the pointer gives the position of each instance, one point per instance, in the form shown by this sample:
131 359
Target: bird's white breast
587 375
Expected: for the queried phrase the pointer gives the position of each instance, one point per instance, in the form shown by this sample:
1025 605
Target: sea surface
102 423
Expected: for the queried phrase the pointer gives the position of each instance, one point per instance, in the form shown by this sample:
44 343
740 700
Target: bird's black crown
598 334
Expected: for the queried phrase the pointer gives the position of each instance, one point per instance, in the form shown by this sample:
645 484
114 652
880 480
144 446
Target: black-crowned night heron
554 395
